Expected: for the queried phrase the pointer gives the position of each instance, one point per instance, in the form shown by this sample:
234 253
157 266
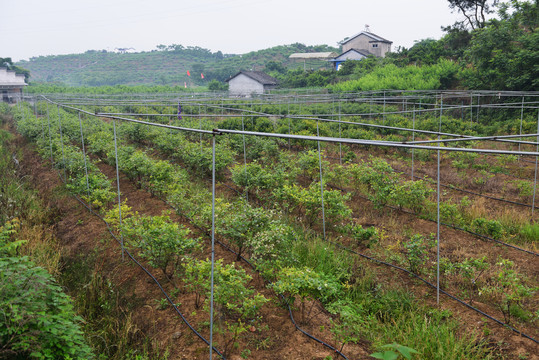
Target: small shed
352 54
246 83
326 56
11 85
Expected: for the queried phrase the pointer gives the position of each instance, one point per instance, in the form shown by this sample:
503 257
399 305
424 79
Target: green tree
8 63
474 11
505 52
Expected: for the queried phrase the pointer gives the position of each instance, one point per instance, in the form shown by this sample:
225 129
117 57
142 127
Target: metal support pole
118 182
384 109
535 176
438 211
321 183
340 135
478 107
50 136
62 141
43 128
413 139
245 162
521 119
471 108
289 127
212 245
84 156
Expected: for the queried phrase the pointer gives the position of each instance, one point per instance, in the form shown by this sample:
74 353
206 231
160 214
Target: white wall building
11 85
246 83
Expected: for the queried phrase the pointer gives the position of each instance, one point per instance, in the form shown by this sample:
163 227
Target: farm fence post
62 141
42 127
521 119
340 135
471 107
384 110
50 137
288 116
321 182
535 176
212 244
478 108
200 126
413 139
245 161
438 208
84 156
118 183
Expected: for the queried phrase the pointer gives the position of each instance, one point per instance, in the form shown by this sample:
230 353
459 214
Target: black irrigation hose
463 190
434 286
471 192
448 225
430 284
150 275
254 268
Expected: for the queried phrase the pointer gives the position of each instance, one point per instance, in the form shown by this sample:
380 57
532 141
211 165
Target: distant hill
168 65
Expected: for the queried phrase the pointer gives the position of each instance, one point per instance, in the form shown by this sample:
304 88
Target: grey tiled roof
259 76
375 37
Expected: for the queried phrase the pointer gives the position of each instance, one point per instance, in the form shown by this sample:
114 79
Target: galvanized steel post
212 244
118 183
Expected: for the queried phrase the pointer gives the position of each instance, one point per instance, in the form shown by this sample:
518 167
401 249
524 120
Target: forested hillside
167 65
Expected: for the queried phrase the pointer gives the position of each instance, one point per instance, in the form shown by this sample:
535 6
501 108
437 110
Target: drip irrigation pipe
427 282
468 191
391 265
174 305
442 291
150 275
445 224
226 247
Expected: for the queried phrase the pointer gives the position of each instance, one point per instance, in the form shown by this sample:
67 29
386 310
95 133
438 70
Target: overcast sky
50 27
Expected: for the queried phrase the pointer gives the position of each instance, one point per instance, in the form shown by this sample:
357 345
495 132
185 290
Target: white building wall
242 85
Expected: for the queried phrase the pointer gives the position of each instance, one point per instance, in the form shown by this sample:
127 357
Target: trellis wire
243 132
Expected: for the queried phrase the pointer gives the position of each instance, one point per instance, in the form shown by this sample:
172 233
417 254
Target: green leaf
386 355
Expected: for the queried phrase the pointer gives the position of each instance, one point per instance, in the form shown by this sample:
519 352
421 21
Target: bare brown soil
275 337
80 232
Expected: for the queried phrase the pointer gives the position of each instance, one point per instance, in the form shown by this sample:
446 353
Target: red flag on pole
202 75
188 73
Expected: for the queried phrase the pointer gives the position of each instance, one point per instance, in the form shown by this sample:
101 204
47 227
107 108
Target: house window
374 45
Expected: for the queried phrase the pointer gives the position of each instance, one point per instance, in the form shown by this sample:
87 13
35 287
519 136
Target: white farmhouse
246 83
367 41
11 85
362 45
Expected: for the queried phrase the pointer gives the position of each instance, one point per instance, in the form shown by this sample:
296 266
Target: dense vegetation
167 65
500 54
280 237
37 318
